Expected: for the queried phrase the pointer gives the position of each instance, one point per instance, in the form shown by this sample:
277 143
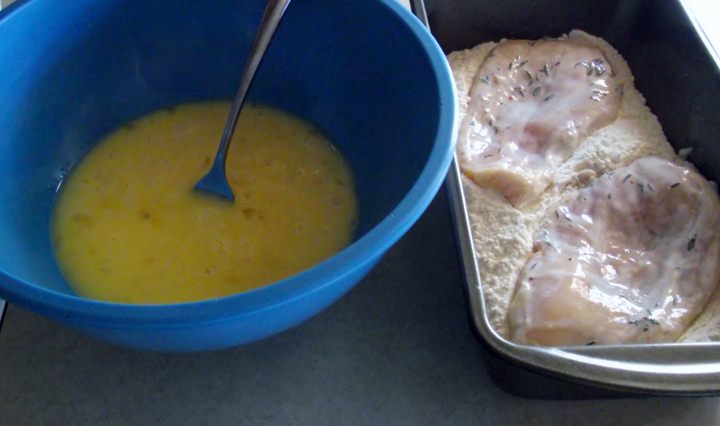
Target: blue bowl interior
72 73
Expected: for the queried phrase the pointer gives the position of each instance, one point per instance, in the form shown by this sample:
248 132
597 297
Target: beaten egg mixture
128 227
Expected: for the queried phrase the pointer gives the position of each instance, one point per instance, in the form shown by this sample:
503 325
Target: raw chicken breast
632 258
531 104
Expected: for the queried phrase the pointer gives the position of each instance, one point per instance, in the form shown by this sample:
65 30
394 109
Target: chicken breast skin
631 258
531 104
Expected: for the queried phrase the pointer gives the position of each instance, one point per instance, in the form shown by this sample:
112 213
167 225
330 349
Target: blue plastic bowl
365 71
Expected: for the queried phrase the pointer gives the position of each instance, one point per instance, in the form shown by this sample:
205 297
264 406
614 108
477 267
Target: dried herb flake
545 70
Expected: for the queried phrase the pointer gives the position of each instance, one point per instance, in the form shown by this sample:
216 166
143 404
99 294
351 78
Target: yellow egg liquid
128 227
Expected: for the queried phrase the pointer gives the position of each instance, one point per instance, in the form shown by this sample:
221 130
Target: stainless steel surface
215 181
418 8
3 308
693 8
656 369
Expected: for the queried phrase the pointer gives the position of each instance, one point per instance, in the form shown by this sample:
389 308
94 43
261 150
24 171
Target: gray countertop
396 350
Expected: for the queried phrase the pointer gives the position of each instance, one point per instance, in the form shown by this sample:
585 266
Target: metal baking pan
676 73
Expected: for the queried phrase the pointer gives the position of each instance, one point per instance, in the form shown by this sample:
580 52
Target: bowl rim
360 254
